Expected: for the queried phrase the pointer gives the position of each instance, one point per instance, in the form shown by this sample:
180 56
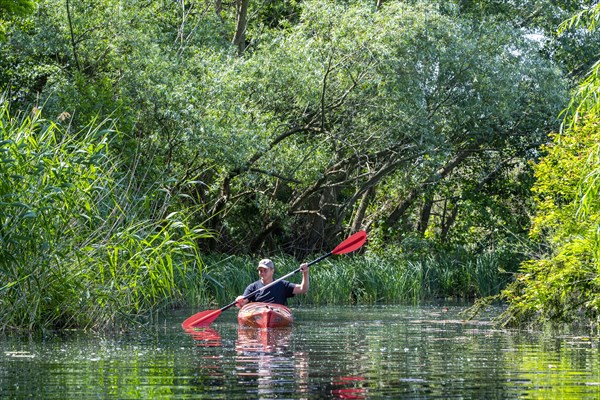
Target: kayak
278 316
265 315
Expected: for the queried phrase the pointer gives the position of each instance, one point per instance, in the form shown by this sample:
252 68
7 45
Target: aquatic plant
367 278
79 245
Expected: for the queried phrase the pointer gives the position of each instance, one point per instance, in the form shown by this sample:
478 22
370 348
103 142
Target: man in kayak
277 293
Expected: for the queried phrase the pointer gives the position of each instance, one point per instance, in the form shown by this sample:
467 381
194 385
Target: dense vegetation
562 285
143 140
78 247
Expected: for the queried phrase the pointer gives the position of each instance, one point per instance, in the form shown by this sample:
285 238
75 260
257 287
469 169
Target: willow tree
382 118
563 283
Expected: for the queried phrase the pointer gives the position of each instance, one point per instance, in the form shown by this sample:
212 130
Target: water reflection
349 387
205 336
256 340
330 352
266 359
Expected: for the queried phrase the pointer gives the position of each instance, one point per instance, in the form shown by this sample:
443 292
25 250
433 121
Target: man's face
265 273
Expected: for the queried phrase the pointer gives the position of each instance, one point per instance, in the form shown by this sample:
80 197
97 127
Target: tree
400 103
241 22
563 284
21 8
406 119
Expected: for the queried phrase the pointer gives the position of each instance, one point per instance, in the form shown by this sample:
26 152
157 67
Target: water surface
425 352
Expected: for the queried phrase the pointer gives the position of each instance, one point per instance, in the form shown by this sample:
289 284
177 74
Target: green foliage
77 246
401 83
16 7
343 93
416 120
563 286
11 9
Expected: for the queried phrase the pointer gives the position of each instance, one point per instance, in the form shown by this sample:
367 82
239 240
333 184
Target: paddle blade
202 318
354 242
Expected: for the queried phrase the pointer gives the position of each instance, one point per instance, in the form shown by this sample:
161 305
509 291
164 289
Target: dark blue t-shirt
278 293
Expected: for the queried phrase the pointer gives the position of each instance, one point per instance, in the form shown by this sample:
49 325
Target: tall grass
374 279
77 245
368 278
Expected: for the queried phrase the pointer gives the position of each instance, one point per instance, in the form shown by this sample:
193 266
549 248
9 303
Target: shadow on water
425 352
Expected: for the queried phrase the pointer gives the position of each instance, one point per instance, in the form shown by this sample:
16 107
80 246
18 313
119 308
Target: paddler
279 292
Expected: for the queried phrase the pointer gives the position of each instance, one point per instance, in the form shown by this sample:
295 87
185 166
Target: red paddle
204 318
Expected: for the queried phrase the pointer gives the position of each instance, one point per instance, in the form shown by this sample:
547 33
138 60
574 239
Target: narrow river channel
413 352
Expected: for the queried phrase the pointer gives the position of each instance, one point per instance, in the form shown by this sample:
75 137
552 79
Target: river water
413 352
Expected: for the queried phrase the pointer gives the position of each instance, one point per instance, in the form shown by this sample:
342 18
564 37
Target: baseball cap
266 263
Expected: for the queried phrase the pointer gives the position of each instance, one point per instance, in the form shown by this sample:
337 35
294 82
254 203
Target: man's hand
240 301
304 267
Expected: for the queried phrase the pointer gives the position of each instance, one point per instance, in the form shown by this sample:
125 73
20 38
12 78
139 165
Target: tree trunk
239 39
414 193
447 222
357 223
257 243
73 45
425 214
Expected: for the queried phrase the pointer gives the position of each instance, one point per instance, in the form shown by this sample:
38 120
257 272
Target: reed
367 278
78 248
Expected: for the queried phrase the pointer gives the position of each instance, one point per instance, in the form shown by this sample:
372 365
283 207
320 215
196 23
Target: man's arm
304 285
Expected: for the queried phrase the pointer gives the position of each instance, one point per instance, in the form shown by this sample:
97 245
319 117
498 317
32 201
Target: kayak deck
265 315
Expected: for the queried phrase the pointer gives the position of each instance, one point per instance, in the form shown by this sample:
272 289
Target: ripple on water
331 352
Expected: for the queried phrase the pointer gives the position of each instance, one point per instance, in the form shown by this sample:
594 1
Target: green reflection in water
331 352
